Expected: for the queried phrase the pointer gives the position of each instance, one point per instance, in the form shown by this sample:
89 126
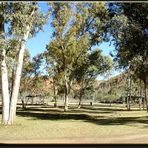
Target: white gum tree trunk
16 85
4 78
5 89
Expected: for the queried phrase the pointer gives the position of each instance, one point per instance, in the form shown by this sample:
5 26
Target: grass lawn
90 124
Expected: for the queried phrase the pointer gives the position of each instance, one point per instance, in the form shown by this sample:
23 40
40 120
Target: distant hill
118 82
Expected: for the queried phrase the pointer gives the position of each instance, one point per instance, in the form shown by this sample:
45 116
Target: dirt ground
127 139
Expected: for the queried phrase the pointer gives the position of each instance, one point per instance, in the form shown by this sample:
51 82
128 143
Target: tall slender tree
75 26
25 20
4 71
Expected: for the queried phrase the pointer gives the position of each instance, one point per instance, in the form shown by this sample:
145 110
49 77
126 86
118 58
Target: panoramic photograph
73 72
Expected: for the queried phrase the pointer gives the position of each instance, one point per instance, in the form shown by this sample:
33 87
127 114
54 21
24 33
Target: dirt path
133 139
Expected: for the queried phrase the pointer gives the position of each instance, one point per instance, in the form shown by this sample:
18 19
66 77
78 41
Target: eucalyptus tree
24 20
129 28
93 65
26 77
63 48
53 73
31 70
75 26
37 64
4 72
140 68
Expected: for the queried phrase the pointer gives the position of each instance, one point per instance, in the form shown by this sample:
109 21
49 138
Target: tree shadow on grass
98 120
38 109
55 114
101 108
107 108
91 111
60 109
121 121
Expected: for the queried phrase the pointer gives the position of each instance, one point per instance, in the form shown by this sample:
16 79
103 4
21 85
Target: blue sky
38 43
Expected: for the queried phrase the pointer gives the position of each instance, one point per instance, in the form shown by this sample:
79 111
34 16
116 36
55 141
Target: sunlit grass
43 122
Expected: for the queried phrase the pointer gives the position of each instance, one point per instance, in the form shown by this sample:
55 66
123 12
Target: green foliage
20 18
107 96
77 27
24 14
86 72
31 73
129 29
